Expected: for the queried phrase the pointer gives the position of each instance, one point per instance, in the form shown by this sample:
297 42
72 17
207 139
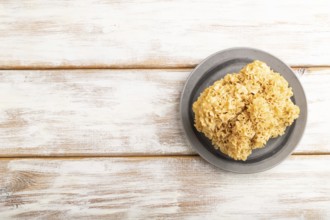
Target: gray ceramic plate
217 66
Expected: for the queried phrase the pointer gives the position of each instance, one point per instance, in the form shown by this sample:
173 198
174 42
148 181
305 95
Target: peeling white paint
153 33
176 188
111 112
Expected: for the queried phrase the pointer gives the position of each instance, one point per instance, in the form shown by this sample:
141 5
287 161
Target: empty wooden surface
43 34
89 115
166 187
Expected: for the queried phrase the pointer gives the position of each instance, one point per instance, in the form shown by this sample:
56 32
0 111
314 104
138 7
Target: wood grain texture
103 34
118 112
171 188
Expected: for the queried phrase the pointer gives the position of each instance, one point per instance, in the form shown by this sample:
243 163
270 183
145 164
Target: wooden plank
88 112
175 188
69 34
117 112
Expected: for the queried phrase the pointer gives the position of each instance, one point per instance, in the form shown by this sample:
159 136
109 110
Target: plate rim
231 166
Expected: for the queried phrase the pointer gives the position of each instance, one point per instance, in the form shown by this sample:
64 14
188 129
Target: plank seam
131 156
188 67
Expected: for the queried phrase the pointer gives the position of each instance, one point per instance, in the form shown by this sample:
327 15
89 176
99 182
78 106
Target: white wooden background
89 123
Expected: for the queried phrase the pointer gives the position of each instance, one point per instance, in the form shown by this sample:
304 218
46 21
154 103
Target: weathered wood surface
118 112
173 188
69 34
55 114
